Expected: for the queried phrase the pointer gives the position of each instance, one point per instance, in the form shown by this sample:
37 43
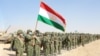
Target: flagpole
36 25
41 0
37 20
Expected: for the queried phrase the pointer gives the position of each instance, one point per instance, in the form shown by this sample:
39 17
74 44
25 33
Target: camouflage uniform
68 42
46 46
30 42
12 42
55 45
59 44
19 43
37 45
51 46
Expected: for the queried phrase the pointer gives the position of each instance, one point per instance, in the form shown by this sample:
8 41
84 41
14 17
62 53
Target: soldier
59 43
78 40
19 43
72 40
12 42
29 42
64 44
37 43
82 39
51 45
75 39
46 46
55 44
68 42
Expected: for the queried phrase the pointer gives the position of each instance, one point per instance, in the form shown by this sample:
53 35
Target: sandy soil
91 49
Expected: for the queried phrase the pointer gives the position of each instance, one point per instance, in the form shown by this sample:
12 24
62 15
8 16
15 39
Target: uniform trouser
82 43
55 48
46 51
37 50
30 50
51 49
79 42
19 52
68 45
59 48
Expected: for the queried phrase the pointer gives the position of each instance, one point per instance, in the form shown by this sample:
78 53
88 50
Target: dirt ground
91 49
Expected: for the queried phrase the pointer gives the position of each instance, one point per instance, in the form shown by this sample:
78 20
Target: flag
49 16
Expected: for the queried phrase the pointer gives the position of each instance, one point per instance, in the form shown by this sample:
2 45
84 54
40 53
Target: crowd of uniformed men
48 43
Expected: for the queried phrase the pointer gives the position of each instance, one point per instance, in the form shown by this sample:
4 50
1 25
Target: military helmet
37 31
19 32
52 34
45 34
29 30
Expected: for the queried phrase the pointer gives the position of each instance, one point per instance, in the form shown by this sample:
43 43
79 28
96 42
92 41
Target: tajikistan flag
50 17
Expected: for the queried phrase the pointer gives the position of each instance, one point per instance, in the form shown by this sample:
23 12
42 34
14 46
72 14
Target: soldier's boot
67 48
59 52
55 54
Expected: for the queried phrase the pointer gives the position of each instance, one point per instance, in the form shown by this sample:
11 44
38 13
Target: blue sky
80 15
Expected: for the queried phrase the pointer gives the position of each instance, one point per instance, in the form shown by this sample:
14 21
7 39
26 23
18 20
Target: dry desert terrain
91 49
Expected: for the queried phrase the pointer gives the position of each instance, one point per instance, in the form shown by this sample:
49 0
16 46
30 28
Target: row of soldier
48 43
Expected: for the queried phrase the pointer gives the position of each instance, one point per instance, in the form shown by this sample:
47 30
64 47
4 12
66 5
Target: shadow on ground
11 54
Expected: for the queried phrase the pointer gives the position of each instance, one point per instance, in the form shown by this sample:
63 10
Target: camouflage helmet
52 34
19 32
29 30
45 34
58 34
37 31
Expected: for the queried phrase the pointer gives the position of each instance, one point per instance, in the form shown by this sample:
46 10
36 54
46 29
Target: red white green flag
50 17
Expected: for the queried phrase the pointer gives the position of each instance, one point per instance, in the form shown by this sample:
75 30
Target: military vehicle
4 36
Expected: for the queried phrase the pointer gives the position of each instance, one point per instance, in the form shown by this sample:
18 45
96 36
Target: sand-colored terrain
91 49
